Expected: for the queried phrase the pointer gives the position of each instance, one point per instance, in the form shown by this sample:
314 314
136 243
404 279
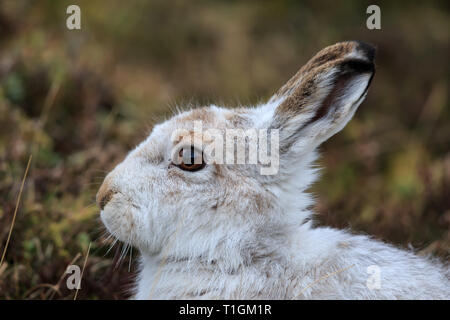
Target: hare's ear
323 96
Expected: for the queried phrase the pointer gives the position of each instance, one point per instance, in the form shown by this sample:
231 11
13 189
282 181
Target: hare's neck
229 248
229 254
161 274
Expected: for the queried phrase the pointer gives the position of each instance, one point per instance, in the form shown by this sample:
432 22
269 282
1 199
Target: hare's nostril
103 199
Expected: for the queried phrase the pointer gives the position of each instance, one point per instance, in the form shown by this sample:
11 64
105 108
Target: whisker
113 244
131 257
122 254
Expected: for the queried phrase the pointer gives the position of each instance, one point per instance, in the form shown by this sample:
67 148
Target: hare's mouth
119 216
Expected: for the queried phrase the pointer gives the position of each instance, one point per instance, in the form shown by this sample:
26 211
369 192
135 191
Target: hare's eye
190 159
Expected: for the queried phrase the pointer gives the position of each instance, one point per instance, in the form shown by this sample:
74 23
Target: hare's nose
104 195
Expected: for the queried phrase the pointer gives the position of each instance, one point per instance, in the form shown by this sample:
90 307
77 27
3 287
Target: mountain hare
209 228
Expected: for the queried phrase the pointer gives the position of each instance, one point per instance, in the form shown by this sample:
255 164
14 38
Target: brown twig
15 210
82 271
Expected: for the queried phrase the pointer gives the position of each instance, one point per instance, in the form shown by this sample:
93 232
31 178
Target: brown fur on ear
351 58
326 55
334 79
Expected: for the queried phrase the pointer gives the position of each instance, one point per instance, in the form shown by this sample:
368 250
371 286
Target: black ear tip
367 49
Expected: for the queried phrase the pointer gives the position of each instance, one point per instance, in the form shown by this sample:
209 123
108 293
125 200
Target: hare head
173 192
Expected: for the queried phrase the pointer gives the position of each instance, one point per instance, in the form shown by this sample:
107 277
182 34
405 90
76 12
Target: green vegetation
79 100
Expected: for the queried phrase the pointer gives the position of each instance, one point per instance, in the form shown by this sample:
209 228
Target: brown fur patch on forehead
186 122
238 119
204 114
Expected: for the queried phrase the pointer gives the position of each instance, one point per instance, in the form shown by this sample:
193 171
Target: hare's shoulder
357 266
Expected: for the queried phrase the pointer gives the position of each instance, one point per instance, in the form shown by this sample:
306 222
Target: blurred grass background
79 100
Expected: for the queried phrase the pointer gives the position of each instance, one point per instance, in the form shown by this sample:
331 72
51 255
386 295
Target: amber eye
190 159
